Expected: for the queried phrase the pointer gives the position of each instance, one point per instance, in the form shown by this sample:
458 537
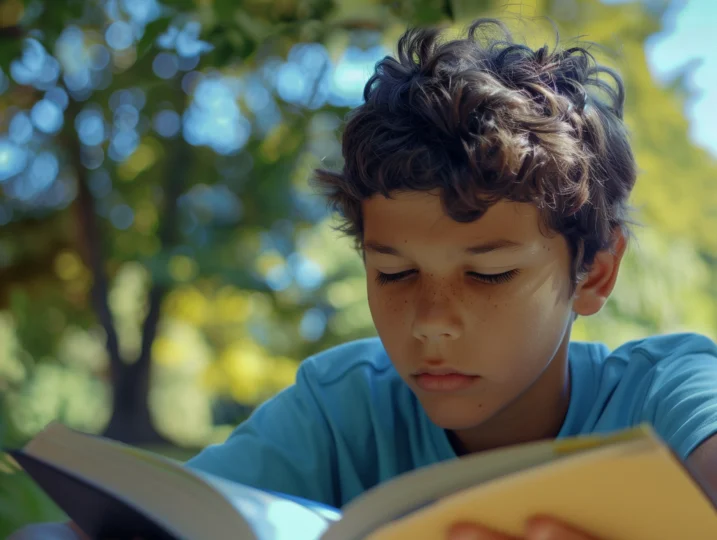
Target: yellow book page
582 443
631 491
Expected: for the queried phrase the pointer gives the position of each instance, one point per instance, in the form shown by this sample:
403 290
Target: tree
96 194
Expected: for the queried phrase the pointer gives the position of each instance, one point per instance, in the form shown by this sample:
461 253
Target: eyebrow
478 249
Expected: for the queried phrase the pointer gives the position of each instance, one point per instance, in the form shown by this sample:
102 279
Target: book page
168 493
271 517
415 490
632 491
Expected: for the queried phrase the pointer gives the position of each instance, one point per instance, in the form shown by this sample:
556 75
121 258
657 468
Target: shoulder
666 360
356 385
352 380
669 381
362 358
645 354
640 366
661 349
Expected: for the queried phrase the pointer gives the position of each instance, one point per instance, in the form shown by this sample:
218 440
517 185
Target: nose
436 319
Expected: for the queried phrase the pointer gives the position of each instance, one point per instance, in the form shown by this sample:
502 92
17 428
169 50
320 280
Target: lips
440 371
443 379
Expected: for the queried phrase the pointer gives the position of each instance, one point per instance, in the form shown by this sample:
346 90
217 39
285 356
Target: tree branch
91 245
174 182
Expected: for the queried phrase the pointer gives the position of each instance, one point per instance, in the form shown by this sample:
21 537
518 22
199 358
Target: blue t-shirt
350 422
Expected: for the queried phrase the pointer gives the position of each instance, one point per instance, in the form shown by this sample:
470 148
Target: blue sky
691 34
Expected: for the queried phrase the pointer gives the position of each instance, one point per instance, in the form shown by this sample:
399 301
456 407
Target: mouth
443 379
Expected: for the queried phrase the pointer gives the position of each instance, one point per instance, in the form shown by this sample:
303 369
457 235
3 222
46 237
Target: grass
22 502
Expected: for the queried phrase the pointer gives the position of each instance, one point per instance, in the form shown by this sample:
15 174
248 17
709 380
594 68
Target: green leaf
183 5
57 15
10 49
464 10
224 9
251 27
429 11
151 32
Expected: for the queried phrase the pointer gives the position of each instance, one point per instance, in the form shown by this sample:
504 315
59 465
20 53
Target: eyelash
492 279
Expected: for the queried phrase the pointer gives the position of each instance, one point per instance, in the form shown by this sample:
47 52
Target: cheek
388 308
521 332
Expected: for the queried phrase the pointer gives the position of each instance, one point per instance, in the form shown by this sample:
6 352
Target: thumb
546 528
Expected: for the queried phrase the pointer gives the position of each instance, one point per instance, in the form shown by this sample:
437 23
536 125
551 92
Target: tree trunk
131 420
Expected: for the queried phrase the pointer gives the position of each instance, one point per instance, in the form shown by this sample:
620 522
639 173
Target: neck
537 414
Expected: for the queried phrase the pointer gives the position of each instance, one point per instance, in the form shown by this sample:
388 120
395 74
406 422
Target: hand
538 528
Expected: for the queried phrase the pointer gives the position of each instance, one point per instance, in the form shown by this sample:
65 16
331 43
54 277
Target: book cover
97 513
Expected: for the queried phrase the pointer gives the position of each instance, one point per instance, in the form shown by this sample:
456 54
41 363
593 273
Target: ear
594 289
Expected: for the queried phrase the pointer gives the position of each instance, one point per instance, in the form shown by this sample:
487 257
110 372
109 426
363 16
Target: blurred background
164 263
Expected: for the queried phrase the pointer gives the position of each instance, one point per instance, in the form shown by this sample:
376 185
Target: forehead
419 215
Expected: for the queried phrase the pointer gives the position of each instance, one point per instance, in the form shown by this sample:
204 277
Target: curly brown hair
483 119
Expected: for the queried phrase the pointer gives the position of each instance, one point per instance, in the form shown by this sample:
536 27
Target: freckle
480 405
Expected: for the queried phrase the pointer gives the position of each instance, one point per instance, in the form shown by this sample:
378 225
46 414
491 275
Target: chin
456 414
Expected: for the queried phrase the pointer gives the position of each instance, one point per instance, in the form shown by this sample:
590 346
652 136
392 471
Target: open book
624 486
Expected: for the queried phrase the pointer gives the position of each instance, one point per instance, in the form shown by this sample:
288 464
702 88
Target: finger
547 528
473 531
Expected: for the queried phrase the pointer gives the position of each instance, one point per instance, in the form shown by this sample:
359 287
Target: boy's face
489 300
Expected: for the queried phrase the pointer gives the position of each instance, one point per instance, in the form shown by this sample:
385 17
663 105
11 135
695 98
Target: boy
487 189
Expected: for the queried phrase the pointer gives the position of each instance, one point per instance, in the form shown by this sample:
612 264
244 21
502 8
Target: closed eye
383 278
494 278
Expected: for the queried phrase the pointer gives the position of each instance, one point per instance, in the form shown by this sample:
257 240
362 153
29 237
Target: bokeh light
58 96
20 129
306 272
119 36
76 60
165 65
313 324
47 116
185 41
90 125
213 119
35 67
167 123
13 159
99 57
212 204
124 142
92 157
122 216
351 73
42 173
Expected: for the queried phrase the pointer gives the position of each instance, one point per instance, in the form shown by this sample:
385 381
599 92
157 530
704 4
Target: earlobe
595 288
